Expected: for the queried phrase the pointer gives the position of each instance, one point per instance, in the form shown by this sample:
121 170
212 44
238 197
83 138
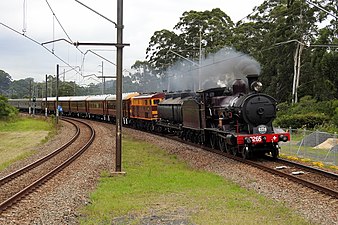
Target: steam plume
219 69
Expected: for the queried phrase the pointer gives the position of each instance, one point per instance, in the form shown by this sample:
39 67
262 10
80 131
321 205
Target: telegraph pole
46 113
119 54
119 47
30 97
57 94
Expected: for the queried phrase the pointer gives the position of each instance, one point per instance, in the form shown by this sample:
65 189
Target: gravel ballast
59 201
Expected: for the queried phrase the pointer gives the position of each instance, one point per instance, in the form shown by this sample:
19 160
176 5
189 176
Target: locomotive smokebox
251 78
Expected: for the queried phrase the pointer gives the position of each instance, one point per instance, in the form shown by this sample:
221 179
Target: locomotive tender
238 121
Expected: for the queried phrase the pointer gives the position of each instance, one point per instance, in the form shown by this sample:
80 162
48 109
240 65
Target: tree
161 43
5 81
145 77
6 110
282 26
22 88
210 30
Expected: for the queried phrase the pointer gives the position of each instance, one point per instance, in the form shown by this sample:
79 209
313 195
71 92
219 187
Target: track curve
13 198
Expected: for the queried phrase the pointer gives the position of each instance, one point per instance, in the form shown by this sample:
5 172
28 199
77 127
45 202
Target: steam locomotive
237 120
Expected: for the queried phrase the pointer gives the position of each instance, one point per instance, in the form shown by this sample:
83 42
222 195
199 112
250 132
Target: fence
313 145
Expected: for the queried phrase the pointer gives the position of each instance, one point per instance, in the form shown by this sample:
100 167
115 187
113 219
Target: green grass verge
158 183
19 137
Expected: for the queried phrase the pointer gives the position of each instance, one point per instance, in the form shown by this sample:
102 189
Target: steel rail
41 160
310 168
15 198
299 180
293 178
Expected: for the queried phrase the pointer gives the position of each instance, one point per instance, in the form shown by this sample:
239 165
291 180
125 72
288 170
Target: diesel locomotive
237 120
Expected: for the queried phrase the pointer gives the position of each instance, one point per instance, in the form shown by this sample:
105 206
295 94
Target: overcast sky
22 58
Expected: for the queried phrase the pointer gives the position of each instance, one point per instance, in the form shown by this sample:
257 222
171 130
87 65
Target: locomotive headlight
283 138
262 129
256 86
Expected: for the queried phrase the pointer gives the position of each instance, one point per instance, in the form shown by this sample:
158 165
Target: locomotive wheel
196 138
233 151
213 141
275 153
245 153
222 146
200 139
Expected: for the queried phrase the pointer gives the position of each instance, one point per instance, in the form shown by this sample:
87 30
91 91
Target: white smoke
219 69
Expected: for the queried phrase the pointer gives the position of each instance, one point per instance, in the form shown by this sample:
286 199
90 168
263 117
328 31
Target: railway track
22 182
316 179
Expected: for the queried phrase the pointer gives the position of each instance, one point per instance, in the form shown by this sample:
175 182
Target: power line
321 8
38 43
58 21
54 16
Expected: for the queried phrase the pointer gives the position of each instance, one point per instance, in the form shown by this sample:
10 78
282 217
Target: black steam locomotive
237 121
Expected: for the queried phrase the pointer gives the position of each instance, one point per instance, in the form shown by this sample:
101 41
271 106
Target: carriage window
146 102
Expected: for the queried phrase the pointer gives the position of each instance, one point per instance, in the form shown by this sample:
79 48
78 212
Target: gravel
59 201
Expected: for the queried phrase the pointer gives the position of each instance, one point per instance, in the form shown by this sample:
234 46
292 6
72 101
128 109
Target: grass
19 137
159 184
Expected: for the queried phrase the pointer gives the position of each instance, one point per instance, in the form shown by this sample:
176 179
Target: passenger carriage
78 106
96 106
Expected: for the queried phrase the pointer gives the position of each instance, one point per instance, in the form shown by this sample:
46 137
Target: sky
26 24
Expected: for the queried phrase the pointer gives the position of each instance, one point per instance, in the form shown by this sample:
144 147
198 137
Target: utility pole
57 94
103 80
119 46
30 97
200 61
46 113
34 99
119 54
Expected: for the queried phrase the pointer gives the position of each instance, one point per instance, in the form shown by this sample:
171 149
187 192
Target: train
237 119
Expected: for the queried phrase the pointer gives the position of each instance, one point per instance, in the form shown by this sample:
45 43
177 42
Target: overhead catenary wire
64 30
54 15
53 53
38 43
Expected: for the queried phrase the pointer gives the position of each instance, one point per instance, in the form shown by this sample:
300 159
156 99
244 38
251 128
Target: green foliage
29 131
309 120
213 27
6 110
270 34
309 113
25 124
5 81
335 116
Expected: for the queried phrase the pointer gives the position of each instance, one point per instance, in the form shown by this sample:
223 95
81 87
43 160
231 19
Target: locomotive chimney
239 86
252 78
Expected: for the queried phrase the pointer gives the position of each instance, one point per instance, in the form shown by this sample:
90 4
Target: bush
309 120
308 113
6 110
335 117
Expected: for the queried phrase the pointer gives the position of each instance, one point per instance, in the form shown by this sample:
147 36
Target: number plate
256 139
